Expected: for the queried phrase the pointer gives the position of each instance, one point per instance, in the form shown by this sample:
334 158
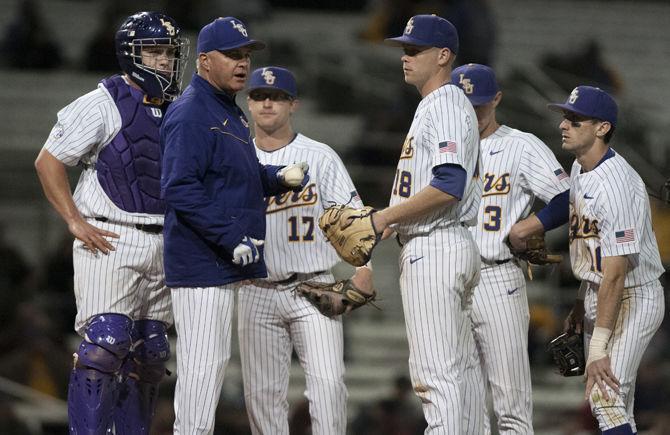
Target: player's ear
445 57
295 104
497 98
603 129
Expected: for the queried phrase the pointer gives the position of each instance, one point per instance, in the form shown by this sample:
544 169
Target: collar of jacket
202 84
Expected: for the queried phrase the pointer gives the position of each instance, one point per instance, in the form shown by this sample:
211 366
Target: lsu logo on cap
573 96
239 27
168 26
269 76
409 27
468 87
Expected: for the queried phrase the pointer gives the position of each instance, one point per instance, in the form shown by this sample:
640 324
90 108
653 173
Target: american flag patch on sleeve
625 236
355 196
560 174
448 147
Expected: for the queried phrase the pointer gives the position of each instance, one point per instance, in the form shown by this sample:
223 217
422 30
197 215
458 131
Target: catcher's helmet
145 29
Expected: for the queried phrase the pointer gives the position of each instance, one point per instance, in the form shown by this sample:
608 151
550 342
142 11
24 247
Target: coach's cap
273 77
226 33
428 30
591 102
477 81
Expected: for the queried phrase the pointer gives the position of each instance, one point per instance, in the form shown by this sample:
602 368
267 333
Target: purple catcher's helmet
143 30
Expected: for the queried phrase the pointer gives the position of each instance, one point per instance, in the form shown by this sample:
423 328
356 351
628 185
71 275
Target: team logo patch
239 27
448 147
407 148
573 96
625 236
168 27
58 131
409 27
269 76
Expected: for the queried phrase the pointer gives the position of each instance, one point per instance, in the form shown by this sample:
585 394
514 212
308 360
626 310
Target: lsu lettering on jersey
293 242
516 168
610 216
444 130
83 129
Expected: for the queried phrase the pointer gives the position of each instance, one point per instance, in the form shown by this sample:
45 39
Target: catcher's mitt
567 350
336 298
536 252
351 232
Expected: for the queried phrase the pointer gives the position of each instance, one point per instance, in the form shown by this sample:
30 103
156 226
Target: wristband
598 344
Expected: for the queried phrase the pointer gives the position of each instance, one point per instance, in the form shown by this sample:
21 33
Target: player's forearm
56 186
426 201
610 291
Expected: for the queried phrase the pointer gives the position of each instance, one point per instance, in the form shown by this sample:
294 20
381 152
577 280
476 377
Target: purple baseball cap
477 81
226 33
273 77
590 102
428 30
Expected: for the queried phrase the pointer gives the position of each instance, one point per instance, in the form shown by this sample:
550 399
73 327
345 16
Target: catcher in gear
567 351
351 232
337 298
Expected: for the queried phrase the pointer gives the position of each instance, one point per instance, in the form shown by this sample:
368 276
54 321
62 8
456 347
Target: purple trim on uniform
608 155
450 178
624 429
556 212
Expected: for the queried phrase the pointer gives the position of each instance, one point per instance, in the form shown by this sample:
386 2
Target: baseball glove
567 351
351 232
337 298
536 252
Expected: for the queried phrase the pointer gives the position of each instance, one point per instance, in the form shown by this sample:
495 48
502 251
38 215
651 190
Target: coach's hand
94 238
247 251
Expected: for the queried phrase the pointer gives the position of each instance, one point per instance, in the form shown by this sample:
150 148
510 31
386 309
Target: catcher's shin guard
93 388
142 372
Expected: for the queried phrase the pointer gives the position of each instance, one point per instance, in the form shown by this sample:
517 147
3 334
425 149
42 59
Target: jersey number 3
293 229
494 214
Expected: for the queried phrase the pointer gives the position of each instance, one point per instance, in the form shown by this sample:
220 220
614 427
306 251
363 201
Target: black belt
149 228
294 277
496 262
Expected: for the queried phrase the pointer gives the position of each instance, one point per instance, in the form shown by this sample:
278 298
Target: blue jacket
214 188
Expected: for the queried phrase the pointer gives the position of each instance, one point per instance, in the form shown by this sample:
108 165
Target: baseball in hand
293 175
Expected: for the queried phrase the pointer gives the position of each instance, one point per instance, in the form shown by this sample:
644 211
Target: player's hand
247 251
379 223
388 232
575 319
294 176
94 238
362 279
515 240
600 372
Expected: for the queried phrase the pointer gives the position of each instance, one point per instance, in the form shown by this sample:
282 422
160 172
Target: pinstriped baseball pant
641 314
500 319
203 319
272 320
438 273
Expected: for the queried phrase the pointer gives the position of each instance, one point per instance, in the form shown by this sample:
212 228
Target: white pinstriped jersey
444 130
83 129
293 241
516 168
610 216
